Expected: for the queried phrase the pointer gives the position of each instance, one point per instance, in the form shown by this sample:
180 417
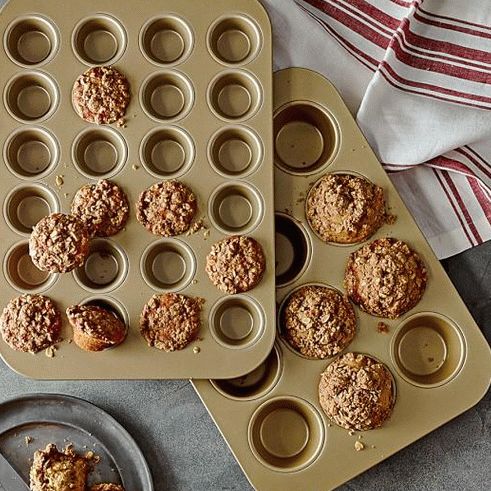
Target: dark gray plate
53 418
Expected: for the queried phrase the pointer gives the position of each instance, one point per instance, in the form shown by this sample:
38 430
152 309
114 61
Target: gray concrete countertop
186 452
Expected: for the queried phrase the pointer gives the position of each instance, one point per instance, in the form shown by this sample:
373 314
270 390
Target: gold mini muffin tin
201 112
440 361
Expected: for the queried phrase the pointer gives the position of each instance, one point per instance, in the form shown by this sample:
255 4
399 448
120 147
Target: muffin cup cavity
31 97
236 208
237 322
105 268
286 434
167 152
31 153
26 204
21 272
99 40
293 249
167 96
111 304
166 40
428 350
235 151
234 40
168 265
31 41
255 384
306 138
235 96
99 153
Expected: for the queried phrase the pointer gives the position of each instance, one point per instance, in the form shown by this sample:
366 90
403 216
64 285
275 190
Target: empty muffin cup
234 40
293 249
306 138
168 265
31 40
166 40
31 152
237 322
167 152
31 97
428 349
255 384
26 204
99 152
167 96
99 40
105 268
236 208
286 433
235 151
110 304
235 95
21 272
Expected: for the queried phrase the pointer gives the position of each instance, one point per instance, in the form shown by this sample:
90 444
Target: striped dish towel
417 75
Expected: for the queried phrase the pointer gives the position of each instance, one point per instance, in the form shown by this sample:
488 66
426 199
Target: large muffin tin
271 418
201 108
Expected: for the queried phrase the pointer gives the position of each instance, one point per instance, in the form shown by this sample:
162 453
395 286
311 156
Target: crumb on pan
106 487
386 278
318 321
171 321
382 328
30 323
357 392
236 264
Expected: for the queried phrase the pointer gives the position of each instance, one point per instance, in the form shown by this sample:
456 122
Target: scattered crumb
59 180
197 226
135 167
359 446
69 341
372 446
382 328
196 350
94 458
329 425
66 195
50 351
194 282
121 123
351 432
390 219
431 359
359 437
28 439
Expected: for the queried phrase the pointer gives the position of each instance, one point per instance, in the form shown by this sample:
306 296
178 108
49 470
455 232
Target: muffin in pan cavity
95 328
317 321
357 392
167 208
386 278
102 207
53 470
345 209
236 264
30 323
59 243
101 95
171 321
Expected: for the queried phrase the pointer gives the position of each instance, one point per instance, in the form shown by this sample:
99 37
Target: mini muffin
30 323
53 470
106 487
171 321
95 328
103 208
318 322
59 243
101 95
345 209
167 208
236 264
386 278
357 392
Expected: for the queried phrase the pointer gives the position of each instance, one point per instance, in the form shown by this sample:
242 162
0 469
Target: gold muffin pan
201 111
440 361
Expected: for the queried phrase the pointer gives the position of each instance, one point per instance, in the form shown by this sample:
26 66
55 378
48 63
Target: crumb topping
167 208
236 264
385 278
318 321
357 392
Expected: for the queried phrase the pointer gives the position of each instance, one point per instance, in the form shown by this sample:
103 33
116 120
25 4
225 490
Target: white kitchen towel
417 76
